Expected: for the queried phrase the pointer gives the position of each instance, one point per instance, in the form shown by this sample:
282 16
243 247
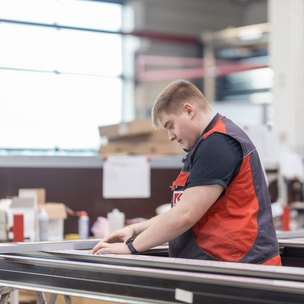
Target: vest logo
177 196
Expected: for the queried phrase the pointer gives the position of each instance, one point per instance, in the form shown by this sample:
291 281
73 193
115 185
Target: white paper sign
183 295
126 177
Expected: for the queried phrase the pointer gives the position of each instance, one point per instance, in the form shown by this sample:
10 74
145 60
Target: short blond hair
174 95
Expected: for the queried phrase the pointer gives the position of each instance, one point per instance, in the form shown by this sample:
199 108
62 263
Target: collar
207 129
211 123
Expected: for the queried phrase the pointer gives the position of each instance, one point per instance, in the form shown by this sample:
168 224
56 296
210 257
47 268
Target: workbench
68 269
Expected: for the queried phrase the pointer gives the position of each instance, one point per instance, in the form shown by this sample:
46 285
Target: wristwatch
129 243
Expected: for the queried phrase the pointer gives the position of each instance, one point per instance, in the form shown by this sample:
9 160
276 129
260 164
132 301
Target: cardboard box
125 148
38 194
137 137
126 129
154 136
57 214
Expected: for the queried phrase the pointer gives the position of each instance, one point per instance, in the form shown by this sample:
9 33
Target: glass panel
41 109
58 85
26 99
84 103
29 10
90 14
27 47
91 53
47 49
87 14
45 110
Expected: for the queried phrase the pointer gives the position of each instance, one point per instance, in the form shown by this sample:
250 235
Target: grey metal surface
46 246
21 161
70 275
176 264
294 242
41 297
146 279
290 234
153 280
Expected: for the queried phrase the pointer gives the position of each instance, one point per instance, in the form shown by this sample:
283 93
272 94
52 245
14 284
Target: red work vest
238 227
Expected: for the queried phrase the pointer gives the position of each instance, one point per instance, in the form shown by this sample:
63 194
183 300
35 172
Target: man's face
180 127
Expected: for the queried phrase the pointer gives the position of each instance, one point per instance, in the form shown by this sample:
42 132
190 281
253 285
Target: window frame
59 151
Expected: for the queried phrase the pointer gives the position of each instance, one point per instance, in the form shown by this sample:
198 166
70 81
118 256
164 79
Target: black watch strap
129 243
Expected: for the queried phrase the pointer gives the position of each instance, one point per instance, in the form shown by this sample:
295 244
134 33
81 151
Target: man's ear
189 109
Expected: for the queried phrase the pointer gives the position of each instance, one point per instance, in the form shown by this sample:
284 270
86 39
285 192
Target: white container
43 225
83 225
116 220
56 230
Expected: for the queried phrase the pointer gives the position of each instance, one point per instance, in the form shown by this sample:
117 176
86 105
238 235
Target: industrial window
60 73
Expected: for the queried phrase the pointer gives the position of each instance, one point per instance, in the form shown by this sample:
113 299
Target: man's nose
171 136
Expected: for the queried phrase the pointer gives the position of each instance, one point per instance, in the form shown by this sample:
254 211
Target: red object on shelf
286 218
184 67
18 228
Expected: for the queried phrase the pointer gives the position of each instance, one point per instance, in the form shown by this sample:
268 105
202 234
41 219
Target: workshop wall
81 189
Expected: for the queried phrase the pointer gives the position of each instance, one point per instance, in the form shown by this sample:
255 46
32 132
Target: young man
221 208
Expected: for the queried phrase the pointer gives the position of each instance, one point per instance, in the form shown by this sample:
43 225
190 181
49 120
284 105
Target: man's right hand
119 236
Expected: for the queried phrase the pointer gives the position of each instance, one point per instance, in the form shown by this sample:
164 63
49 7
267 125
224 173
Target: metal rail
138 284
71 271
25 247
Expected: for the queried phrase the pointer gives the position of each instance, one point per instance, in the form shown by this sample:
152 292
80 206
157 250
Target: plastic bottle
116 220
83 225
43 225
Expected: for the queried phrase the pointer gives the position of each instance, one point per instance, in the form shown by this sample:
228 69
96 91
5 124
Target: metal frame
145 279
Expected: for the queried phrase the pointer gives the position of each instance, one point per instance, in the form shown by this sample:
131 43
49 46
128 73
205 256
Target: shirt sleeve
216 161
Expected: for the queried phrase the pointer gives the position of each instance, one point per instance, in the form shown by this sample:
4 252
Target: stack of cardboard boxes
137 137
28 203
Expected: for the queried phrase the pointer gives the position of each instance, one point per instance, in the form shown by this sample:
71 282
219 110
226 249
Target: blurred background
70 70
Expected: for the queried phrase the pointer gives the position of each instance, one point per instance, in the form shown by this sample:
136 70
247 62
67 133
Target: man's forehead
164 118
